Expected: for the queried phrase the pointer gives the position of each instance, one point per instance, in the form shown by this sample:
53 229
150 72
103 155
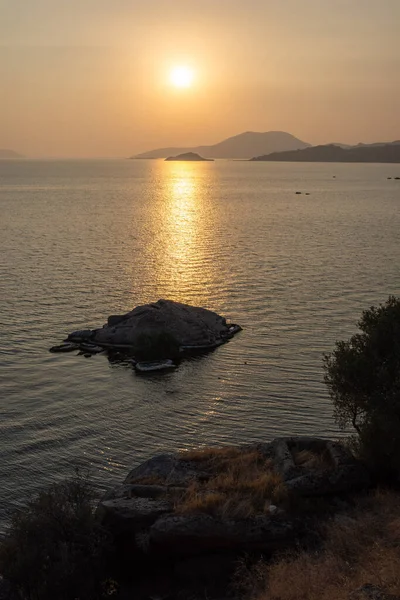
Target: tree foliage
363 378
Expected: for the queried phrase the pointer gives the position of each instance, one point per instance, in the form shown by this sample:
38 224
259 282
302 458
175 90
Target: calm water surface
80 240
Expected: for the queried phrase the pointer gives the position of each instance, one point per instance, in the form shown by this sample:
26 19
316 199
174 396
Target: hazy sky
90 77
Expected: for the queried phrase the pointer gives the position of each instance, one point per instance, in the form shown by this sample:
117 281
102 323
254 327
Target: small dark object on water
91 348
389 178
233 329
307 193
397 178
160 365
66 347
298 193
334 177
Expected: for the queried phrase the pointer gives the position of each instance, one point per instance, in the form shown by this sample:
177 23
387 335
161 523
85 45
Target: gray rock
165 469
81 335
65 347
143 507
343 473
186 325
195 534
345 479
141 491
131 515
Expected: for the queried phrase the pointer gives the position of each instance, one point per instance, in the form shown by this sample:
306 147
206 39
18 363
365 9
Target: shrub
55 548
363 378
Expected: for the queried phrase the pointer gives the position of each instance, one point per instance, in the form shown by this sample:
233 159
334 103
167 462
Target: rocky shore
209 507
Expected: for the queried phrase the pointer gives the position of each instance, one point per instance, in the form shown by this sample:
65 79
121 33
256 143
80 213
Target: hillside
5 153
242 146
385 153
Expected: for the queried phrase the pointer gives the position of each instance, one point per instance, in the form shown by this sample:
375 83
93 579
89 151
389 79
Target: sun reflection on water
183 232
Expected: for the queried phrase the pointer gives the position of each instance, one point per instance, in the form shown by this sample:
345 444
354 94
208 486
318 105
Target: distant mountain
375 153
376 144
244 145
4 153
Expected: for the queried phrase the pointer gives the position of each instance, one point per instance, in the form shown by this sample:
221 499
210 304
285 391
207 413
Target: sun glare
181 77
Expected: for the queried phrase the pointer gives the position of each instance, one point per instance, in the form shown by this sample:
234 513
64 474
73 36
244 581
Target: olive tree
363 378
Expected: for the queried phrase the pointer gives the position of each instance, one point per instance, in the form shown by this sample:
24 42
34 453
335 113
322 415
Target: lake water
80 240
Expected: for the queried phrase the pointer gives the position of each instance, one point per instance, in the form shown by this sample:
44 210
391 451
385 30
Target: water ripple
82 240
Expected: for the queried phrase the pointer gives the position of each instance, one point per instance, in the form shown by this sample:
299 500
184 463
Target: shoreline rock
144 508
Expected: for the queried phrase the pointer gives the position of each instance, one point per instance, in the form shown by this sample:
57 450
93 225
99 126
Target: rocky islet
156 331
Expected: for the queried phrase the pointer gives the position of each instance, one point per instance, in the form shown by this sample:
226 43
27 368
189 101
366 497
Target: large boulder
132 515
165 324
195 534
161 508
167 469
317 467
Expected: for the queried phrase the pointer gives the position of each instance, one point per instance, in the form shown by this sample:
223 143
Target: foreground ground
360 549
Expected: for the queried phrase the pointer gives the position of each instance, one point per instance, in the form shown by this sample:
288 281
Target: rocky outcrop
146 506
133 514
155 331
200 533
171 469
165 323
317 467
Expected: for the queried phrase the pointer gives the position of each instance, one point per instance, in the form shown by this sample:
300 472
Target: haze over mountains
5 153
242 146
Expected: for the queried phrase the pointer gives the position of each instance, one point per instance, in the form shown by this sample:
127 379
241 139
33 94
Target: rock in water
162 328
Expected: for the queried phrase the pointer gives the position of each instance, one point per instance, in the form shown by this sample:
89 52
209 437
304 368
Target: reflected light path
185 224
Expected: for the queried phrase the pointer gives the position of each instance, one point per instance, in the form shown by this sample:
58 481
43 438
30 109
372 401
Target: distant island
5 153
374 153
190 156
242 146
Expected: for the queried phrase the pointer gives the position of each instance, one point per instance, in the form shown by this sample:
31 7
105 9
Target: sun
181 77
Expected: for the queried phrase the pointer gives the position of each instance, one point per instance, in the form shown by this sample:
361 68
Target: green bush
55 549
363 378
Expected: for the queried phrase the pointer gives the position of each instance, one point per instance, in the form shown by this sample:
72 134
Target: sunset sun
181 77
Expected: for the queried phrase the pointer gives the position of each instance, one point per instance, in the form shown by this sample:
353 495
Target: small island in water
190 156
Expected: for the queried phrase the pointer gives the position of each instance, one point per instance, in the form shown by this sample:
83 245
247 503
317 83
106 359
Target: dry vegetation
318 461
361 548
240 484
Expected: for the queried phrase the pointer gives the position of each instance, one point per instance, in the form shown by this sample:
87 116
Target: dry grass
241 484
318 461
362 547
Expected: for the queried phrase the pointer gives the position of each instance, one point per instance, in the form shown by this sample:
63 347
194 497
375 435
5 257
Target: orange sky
90 77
